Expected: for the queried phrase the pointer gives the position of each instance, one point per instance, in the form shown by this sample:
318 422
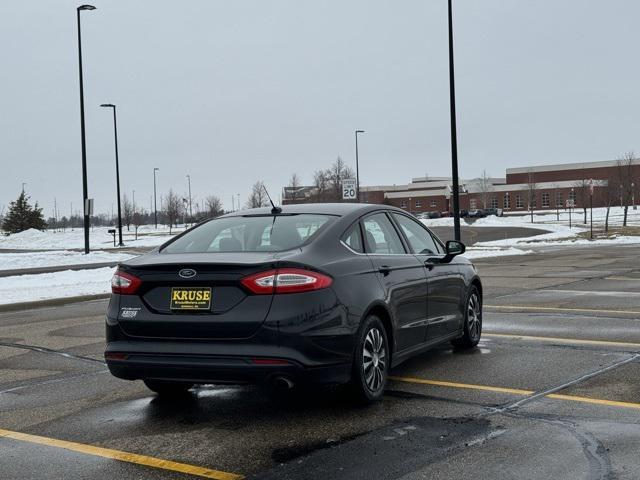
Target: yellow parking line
515 391
572 341
487 388
597 401
560 309
121 456
626 279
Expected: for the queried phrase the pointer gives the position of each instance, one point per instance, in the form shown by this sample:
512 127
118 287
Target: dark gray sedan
322 293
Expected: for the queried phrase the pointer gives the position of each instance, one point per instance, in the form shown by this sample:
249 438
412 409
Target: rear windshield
250 234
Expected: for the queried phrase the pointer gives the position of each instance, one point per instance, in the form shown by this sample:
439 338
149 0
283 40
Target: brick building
539 187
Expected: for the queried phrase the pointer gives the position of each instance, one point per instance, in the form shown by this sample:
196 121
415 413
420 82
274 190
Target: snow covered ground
559 232
99 238
45 286
13 261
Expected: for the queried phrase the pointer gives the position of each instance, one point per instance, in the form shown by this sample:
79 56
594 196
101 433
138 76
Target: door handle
384 269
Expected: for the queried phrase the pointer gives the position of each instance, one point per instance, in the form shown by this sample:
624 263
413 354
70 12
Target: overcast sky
236 91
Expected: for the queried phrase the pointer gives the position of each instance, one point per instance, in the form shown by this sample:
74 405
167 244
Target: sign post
591 204
349 189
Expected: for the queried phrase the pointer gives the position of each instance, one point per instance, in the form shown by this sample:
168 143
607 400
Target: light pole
357 168
454 139
115 136
190 210
85 189
155 198
571 197
633 196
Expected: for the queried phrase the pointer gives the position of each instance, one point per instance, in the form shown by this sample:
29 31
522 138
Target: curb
53 302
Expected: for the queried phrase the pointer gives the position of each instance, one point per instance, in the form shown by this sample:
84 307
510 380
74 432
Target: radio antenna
274 210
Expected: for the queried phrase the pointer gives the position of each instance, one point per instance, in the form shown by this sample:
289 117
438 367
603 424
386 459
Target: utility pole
190 209
155 198
454 139
85 188
357 168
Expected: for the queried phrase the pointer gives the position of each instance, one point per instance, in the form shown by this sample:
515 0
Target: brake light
124 283
285 280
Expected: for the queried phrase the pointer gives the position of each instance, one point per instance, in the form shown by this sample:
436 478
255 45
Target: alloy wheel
374 359
474 317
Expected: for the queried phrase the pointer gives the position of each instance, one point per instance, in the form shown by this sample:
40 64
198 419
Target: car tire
371 361
472 328
168 388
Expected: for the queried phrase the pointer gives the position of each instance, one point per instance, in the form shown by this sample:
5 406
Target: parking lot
553 391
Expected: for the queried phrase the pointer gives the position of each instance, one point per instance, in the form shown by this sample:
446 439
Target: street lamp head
155 169
108 105
86 7
359 131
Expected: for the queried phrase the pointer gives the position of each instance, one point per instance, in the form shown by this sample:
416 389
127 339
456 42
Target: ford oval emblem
187 273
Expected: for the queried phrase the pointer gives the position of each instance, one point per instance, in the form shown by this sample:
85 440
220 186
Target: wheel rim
474 317
374 359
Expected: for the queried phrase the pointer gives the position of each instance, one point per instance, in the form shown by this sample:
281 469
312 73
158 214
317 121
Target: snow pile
485 252
13 261
99 237
44 286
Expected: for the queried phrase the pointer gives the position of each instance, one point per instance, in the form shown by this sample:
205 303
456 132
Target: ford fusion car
321 293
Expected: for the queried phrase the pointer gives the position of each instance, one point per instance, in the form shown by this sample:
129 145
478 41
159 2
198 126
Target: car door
444 279
402 276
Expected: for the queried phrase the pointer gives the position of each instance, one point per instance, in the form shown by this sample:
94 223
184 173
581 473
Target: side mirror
453 248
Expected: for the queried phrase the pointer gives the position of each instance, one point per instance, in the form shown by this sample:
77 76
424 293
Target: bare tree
258 196
609 194
127 211
583 191
532 187
626 181
173 208
137 219
321 183
294 186
214 206
485 189
338 172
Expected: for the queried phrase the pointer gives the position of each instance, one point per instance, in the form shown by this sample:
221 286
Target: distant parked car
434 215
477 213
493 211
445 214
464 213
422 216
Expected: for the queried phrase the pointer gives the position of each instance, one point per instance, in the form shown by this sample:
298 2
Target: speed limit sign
349 189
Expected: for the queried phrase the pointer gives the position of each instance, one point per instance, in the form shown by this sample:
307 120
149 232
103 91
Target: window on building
403 204
545 200
506 202
494 202
472 204
434 204
559 200
519 201
418 204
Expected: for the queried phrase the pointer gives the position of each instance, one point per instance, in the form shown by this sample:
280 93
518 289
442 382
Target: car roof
340 209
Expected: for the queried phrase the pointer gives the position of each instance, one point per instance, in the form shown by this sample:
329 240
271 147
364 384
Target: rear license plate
190 298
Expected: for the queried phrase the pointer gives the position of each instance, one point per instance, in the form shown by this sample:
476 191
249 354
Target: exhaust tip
283 383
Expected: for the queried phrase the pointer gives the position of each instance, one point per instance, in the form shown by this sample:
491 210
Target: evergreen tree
22 216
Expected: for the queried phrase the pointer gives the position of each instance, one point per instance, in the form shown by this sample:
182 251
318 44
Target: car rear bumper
221 369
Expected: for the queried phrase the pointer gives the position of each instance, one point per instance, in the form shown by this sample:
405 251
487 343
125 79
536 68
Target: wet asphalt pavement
552 392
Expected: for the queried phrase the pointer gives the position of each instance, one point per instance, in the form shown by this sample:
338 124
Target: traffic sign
348 188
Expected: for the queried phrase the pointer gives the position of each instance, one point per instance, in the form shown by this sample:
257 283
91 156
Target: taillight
285 280
124 283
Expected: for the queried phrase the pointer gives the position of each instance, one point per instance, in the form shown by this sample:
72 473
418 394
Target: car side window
353 239
380 235
419 238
